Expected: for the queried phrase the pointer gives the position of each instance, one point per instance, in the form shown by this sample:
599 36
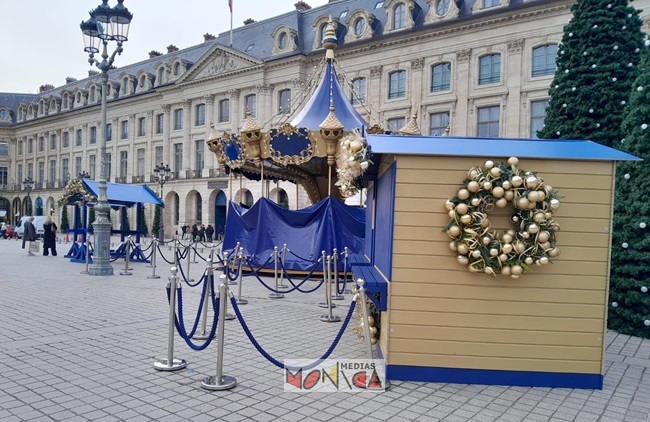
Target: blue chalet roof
558 149
318 107
124 195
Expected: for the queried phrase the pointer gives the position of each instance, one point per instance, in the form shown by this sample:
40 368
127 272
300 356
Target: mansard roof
11 102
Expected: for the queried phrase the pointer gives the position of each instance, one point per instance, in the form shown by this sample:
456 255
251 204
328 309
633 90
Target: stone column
265 110
187 142
167 126
150 151
462 84
235 113
511 112
417 86
208 157
374 92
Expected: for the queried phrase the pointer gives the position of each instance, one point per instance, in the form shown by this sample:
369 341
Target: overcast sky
42 43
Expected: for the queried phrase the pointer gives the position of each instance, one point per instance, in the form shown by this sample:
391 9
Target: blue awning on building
557 149
124 195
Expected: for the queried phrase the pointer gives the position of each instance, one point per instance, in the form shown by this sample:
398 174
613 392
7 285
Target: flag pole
230 4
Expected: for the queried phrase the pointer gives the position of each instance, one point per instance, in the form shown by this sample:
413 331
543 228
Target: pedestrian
29 234
49 236
183 229
209 232
202 233
195 232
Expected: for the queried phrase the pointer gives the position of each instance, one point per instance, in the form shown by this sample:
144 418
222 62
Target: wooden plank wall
551 320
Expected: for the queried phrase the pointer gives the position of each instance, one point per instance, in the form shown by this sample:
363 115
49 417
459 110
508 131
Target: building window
109 132
79 138
178 157
30 146
30 170
199 159
158 154
93 135
52 176
141 126
399 16
19 170
41 143
177 69
4 174
544 60
91 166
66 139
438 123
109 159
537 115
20 147
200 115
323 30
65 170
284 101
178 119
160 118
124 164
140 163
41 171
358 91
161 76
488 122
224 111
77 165
396 123
250 104
125 129
397 84
359 26
490 69
283 40
441 77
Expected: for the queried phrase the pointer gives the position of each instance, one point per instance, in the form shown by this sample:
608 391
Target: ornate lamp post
106 24
29 185
161 174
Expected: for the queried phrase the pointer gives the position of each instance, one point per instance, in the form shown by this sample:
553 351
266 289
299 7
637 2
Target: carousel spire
330 42
411 127
252 135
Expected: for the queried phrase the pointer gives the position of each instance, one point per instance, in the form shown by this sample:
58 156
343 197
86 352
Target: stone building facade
479 69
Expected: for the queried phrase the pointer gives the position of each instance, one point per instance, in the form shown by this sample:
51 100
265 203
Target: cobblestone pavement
81 348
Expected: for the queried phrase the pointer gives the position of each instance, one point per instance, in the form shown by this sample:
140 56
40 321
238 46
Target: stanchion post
127 248
328 291
171 364
326 304
240 300
364 314
346 253
204 335
86 271
220 381
284 254
335 262
189 261
223 280
154 245
276 295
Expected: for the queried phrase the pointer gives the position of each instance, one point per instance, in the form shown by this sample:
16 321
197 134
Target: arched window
544 60
399 16
282 41
177 69
397 84
38 208
284 101
250 104
359 26
440 77
161 76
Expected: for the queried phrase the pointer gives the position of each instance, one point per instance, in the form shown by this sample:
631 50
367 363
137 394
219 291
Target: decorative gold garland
352 161
75 187
532 241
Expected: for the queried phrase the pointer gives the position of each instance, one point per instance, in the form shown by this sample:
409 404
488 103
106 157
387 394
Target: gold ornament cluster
373 324
73 188
531 241
352 161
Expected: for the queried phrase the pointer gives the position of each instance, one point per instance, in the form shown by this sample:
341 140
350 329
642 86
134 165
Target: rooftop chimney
70 79
93 73
302 6
171 48
154 53
208 37
249 21
45 87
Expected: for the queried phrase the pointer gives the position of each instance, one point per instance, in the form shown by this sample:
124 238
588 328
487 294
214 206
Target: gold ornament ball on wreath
531 241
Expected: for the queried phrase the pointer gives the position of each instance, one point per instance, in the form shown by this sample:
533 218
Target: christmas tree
155 228
629 310
143 222
596 64
65 224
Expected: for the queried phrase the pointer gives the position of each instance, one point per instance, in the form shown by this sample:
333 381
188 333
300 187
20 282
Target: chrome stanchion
274 295
127 248
346 253
222 280
154 245
194 260
328 299
206 301
364 314
171 364
240 300
86 271
335 261
328 291
220 381
284 254
187 271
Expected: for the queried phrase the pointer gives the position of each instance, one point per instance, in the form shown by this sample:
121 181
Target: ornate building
473 68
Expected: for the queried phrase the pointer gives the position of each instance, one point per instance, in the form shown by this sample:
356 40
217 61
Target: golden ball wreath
531 241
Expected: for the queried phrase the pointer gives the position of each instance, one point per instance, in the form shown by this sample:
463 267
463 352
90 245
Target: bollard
240 300
328 291
127 248
154 245
284 254
222 280
220 381
204 335
335 261
274 295
328 299
364 314
86 271
187 271
171 364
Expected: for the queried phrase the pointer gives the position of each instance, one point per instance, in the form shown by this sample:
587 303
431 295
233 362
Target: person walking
202 233
209 232
29 234
49 236
195 233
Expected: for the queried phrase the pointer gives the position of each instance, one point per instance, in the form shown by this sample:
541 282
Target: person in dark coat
29 233
49 236
209 232
202 233
195 232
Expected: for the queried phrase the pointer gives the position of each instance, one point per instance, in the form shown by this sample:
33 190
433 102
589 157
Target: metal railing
193 174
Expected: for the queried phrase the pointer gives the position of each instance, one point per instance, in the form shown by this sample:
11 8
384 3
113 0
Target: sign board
218 184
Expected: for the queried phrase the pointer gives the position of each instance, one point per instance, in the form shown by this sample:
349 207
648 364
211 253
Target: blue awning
557 149
124 195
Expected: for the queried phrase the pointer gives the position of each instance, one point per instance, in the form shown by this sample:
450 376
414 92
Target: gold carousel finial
330 42
252 134
411 127
213 140
331 131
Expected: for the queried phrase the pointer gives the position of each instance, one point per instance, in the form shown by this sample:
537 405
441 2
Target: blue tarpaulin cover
119 194
324 226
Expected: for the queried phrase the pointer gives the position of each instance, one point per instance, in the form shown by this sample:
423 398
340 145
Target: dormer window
359 26
3 114
285 39
282 41
442 7
399 16
161 76
143 81
249 48
177 69
379 4
323 29
343 14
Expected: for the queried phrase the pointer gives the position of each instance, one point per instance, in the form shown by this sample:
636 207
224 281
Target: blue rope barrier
163 257
277 362
198 313
338 281
180 269
307 277
301 258
267 286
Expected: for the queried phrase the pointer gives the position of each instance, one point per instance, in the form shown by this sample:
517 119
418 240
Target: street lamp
105 24
161 174
29 185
